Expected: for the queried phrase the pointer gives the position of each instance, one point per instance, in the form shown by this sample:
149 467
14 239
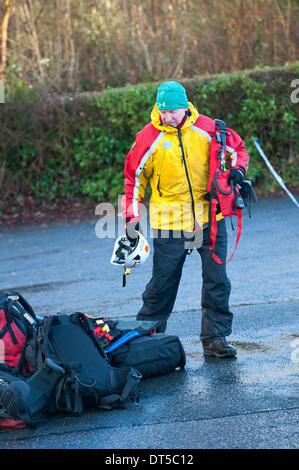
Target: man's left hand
236 176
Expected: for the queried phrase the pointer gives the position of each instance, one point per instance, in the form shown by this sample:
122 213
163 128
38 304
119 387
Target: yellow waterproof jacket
176 163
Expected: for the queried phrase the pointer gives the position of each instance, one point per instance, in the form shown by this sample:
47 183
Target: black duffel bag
152 355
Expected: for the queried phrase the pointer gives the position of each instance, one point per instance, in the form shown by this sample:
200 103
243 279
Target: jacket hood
156 121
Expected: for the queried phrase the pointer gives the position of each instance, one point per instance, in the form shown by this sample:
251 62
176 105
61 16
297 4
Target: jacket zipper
158 186
187 175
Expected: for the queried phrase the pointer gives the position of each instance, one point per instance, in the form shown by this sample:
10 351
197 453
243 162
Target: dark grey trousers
160 293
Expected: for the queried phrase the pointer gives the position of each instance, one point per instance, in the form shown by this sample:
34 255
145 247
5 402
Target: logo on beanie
160 105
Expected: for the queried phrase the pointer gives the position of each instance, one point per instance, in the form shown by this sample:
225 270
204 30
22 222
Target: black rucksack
89 380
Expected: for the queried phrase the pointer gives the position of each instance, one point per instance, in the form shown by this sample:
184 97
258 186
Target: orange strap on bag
213 233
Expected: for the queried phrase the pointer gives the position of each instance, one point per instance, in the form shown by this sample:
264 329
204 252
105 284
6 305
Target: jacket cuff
129 220
241 168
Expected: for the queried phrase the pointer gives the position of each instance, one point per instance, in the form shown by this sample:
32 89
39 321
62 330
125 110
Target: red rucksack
17 326
223 197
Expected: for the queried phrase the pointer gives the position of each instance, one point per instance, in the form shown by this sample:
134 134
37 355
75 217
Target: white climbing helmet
128 255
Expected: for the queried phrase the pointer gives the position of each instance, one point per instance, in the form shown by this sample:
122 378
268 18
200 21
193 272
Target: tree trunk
71 62
4 28
32 33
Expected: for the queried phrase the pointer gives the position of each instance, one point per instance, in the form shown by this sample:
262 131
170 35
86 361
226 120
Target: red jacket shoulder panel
206 124
142 144
147 135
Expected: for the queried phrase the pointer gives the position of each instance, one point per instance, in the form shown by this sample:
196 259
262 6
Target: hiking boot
219 348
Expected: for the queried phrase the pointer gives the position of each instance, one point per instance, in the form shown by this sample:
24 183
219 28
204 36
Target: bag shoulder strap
40 343
215 167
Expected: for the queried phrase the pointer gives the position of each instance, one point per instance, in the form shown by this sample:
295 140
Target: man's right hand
131 231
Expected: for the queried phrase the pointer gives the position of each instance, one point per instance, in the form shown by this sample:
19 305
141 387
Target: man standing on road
172 152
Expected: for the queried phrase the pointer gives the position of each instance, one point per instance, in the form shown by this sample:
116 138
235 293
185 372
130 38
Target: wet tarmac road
248 402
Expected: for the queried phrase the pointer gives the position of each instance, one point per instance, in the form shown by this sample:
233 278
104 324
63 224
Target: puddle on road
263 364
249 346
289 337
194 352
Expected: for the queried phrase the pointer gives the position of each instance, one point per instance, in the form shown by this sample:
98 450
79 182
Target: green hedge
53 146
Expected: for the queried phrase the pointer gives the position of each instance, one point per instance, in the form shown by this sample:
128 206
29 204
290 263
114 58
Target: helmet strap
127 271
